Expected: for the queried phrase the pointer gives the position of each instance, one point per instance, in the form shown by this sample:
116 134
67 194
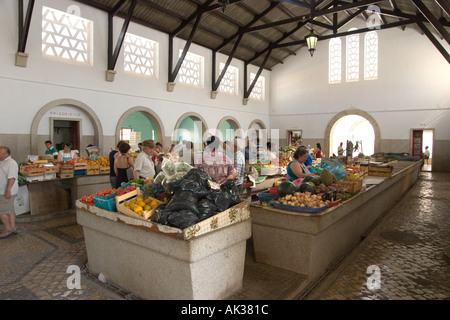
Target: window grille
140 55
66 37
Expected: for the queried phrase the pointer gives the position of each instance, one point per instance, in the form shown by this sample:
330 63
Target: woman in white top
67 153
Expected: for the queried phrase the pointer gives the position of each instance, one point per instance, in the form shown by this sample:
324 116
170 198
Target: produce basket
266 197
129 196
106 202
298 209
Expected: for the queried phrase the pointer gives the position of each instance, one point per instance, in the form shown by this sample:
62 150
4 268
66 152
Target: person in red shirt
318 151
216 163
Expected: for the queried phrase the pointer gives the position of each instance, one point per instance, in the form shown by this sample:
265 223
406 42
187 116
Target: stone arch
148 112
193 115
259 122
98 130
365 115
233 120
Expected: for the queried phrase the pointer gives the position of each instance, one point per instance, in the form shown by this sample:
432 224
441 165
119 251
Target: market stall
55 186
178 236
309 240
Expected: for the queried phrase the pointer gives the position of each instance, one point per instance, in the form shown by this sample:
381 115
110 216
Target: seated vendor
296 168
67 153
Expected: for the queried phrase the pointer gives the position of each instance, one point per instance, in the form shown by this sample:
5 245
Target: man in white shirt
144 167
9 188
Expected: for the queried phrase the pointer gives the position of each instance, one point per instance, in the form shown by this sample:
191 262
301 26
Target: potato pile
306 199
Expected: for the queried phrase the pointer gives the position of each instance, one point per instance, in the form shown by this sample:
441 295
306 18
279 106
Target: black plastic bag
160 215
199 176
183 200
220 199
182 219
188 185
233 192
206 209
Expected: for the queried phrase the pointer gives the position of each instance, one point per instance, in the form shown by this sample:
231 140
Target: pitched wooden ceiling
265 32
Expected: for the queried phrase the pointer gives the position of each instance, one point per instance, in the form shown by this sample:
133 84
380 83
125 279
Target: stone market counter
152 261
60 194
309 244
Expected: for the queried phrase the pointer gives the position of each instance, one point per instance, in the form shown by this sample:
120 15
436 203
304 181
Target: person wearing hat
144 167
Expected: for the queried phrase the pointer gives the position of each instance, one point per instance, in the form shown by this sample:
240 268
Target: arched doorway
46 111
228 127
190 127
356 126
139 124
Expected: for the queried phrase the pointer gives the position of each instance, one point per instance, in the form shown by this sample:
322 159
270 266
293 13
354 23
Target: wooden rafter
24 25
434 41
114 55
432 20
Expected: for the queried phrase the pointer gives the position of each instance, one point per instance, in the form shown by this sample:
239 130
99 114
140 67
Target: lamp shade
311 41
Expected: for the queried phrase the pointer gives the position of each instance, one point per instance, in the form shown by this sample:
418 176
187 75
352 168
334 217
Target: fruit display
300 199
127 189
141 205
90 199
102 161
284 161
340 192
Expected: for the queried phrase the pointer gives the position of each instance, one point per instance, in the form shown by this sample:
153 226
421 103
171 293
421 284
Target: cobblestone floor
407 248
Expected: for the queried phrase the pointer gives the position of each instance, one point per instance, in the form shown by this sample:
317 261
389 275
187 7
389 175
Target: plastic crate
80 172
106 202
138 186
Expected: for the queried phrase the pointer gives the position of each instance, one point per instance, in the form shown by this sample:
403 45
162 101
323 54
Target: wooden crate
104 170
66 175
80 166
51 169
130 196
66 169
380 171
41 161
352 186
31 171
92 170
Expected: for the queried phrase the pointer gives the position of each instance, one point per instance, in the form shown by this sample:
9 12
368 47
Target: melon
286 187
313 179
306 187
327 177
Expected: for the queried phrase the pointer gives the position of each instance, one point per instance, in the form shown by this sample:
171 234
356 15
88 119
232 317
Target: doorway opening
423 147
356 129
65 130
137 127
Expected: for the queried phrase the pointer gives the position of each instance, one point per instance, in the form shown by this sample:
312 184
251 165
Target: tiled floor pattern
407 248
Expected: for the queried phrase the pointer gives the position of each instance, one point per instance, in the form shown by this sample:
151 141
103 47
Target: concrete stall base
310 243
158 267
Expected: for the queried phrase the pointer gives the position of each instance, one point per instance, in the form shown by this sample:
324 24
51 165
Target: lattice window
66 37
258 92
230 80
191 71
140 55
352 56
335 61
371 56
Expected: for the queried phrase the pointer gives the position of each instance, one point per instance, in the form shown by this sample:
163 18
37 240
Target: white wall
412 90
24 91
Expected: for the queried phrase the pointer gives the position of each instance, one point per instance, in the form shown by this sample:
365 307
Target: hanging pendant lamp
311 41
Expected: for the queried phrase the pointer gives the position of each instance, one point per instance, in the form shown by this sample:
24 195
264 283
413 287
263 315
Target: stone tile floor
406 250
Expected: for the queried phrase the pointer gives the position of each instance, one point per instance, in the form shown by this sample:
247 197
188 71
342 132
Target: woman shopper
122 163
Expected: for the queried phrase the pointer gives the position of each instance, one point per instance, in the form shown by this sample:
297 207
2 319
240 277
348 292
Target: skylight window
230 80
140 55
191 71
66 37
